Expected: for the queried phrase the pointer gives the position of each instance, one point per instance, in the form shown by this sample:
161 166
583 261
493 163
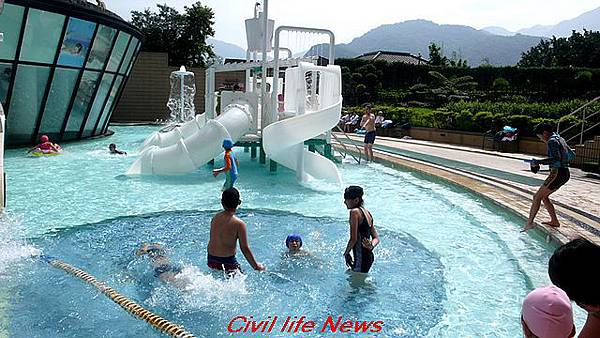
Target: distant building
394 57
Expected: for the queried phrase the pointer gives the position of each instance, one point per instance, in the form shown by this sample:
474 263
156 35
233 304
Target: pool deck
502 177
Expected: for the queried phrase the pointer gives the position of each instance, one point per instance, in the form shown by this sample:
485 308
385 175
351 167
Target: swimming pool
451 264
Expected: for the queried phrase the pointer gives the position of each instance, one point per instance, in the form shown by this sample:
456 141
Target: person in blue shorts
231 165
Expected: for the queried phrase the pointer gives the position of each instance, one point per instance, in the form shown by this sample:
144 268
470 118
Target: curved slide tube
283 142
165 139
190 146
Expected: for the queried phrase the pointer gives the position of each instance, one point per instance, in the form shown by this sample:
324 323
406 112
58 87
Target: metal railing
358 150
584 118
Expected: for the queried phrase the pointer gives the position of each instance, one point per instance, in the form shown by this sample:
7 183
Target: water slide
283 141
193 144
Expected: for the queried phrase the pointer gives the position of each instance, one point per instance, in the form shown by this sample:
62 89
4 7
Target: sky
349 19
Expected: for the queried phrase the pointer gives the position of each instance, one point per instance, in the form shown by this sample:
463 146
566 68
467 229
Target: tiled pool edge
503 196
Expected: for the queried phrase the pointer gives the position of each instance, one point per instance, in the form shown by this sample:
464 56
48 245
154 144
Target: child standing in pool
294 244
231 165
363 235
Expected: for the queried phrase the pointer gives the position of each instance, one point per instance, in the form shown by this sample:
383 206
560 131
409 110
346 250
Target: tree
435 56
578 50
183 36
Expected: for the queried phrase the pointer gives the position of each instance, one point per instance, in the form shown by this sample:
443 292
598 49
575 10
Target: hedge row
548 84
467 117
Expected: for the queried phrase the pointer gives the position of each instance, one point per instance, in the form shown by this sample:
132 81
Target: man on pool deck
225 230
574 268
559 155
368 124
231 165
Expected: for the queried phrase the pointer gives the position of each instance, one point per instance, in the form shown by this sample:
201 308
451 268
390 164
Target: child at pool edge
46 145
163 269
231 165
114 151
547 313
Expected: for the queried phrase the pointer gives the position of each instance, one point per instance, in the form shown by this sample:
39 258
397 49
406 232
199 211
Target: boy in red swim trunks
46 146
226 229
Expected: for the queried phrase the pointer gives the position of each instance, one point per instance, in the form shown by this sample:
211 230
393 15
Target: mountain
227 50
589 20
414 36
499 31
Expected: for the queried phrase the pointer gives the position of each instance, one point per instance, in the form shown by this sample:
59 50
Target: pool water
451 264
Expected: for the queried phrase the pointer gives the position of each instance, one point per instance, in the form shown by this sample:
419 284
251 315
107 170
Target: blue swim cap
293 237
227 143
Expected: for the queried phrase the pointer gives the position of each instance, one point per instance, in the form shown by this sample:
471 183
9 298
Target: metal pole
582 128
263 87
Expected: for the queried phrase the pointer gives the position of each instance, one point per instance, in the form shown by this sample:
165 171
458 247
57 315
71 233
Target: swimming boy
368 124
46 146
574 268
163 269
231 165
558 160
226 229
547 313
113 150
294 244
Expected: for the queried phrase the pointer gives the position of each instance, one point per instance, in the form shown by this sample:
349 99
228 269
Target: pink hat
44 138
547 312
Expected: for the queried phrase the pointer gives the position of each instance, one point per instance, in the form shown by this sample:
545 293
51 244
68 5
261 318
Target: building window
109 103
42 33
101 47
29 87
10 25
5 73
128 56
97 106
118 52
58 101
76 44
88 84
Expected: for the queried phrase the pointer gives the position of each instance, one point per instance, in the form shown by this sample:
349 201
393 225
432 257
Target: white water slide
313 96
193 144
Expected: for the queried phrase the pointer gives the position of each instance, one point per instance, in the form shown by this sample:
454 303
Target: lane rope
130 306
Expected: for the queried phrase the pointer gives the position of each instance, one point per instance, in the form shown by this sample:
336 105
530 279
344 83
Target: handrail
585 131
581 122
344 145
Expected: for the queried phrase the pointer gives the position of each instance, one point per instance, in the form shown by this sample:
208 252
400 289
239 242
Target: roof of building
393 57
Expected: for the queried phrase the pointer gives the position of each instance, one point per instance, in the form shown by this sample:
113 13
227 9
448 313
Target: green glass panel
76 44
88 84
5 73
98 104
133 59
10 24
59 97
128 56
101 47
25 102
118 52
42 33
109 105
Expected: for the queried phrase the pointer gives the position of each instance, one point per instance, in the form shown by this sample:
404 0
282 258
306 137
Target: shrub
500 83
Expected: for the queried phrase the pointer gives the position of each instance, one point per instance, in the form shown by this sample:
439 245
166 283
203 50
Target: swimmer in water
114 151
294 244
163 269
363 235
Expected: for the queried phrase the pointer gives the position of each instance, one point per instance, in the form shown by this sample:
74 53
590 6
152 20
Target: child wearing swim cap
46 146
231 165
294 244
547 313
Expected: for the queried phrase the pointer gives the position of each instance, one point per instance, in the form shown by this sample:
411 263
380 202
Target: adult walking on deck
559 156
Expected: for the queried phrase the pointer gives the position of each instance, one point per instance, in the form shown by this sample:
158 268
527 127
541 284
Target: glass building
63 66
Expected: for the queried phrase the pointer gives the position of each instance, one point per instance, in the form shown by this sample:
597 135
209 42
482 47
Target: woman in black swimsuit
363 236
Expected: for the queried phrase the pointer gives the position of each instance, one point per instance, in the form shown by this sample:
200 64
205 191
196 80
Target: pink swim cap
44 138
548 313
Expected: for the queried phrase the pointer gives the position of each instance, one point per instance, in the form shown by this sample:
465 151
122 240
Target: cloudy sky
352 18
